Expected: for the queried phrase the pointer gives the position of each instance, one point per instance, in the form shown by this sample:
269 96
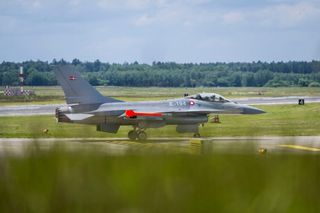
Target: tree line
171 74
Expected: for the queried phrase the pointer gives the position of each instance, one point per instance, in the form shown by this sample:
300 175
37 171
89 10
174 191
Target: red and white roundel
191 102
72 78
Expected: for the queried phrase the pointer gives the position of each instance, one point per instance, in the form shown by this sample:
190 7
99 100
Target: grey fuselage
87 106
181 111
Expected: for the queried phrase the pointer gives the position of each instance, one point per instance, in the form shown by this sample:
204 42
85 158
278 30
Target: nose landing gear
196 135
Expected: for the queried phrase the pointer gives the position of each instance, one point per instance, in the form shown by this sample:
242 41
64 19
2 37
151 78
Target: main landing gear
137 134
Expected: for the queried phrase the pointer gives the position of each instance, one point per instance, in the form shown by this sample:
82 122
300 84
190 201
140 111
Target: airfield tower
18 91
21 77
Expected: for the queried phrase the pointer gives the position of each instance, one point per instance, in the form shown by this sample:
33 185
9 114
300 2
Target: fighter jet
85 105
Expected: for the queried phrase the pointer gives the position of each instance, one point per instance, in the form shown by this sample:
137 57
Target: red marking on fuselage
131 113
72 78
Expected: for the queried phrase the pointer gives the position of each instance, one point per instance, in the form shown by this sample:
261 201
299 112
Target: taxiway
118 146
49 109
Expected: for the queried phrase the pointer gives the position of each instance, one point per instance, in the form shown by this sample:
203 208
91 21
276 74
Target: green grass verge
280 120
61 181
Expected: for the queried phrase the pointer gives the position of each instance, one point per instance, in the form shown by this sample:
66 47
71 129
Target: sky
197 31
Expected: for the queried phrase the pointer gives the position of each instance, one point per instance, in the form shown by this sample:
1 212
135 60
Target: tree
75 62
10 78
171 74
262 77
38 79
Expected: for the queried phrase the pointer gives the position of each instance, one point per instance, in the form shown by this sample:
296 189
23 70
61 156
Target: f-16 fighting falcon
85 105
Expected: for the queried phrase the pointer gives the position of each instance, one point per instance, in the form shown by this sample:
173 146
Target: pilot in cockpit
210 97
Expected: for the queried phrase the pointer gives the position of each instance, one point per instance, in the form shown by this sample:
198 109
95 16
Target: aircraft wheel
196 135
142 136
132 135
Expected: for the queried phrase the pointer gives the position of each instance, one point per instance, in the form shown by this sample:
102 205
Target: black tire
196 135
132 135
142 136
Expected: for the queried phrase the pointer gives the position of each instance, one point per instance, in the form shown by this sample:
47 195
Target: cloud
233 17
144 20
145 30
289 15
276 15
124 4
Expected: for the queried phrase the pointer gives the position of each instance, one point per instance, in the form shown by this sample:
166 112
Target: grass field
287 120
47 95
63 180
57 180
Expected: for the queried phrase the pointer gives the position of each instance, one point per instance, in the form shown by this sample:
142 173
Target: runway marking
306 148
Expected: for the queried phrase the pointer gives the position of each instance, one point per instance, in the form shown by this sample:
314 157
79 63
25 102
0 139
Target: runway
119 146
27 110
277 100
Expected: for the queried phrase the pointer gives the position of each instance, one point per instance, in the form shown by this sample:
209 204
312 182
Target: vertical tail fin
76 89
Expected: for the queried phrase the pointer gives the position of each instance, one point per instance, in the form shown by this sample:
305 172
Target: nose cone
251 110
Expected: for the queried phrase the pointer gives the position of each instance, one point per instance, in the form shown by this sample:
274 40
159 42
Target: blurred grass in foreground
57 180
287 120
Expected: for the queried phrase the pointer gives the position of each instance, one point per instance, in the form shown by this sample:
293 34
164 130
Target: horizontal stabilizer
78 117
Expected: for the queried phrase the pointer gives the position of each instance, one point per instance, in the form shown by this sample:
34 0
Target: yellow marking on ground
306 148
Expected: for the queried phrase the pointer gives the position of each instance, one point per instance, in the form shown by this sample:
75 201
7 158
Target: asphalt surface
118 146
50 108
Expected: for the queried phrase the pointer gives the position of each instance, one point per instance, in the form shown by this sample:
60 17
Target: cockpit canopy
211 97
